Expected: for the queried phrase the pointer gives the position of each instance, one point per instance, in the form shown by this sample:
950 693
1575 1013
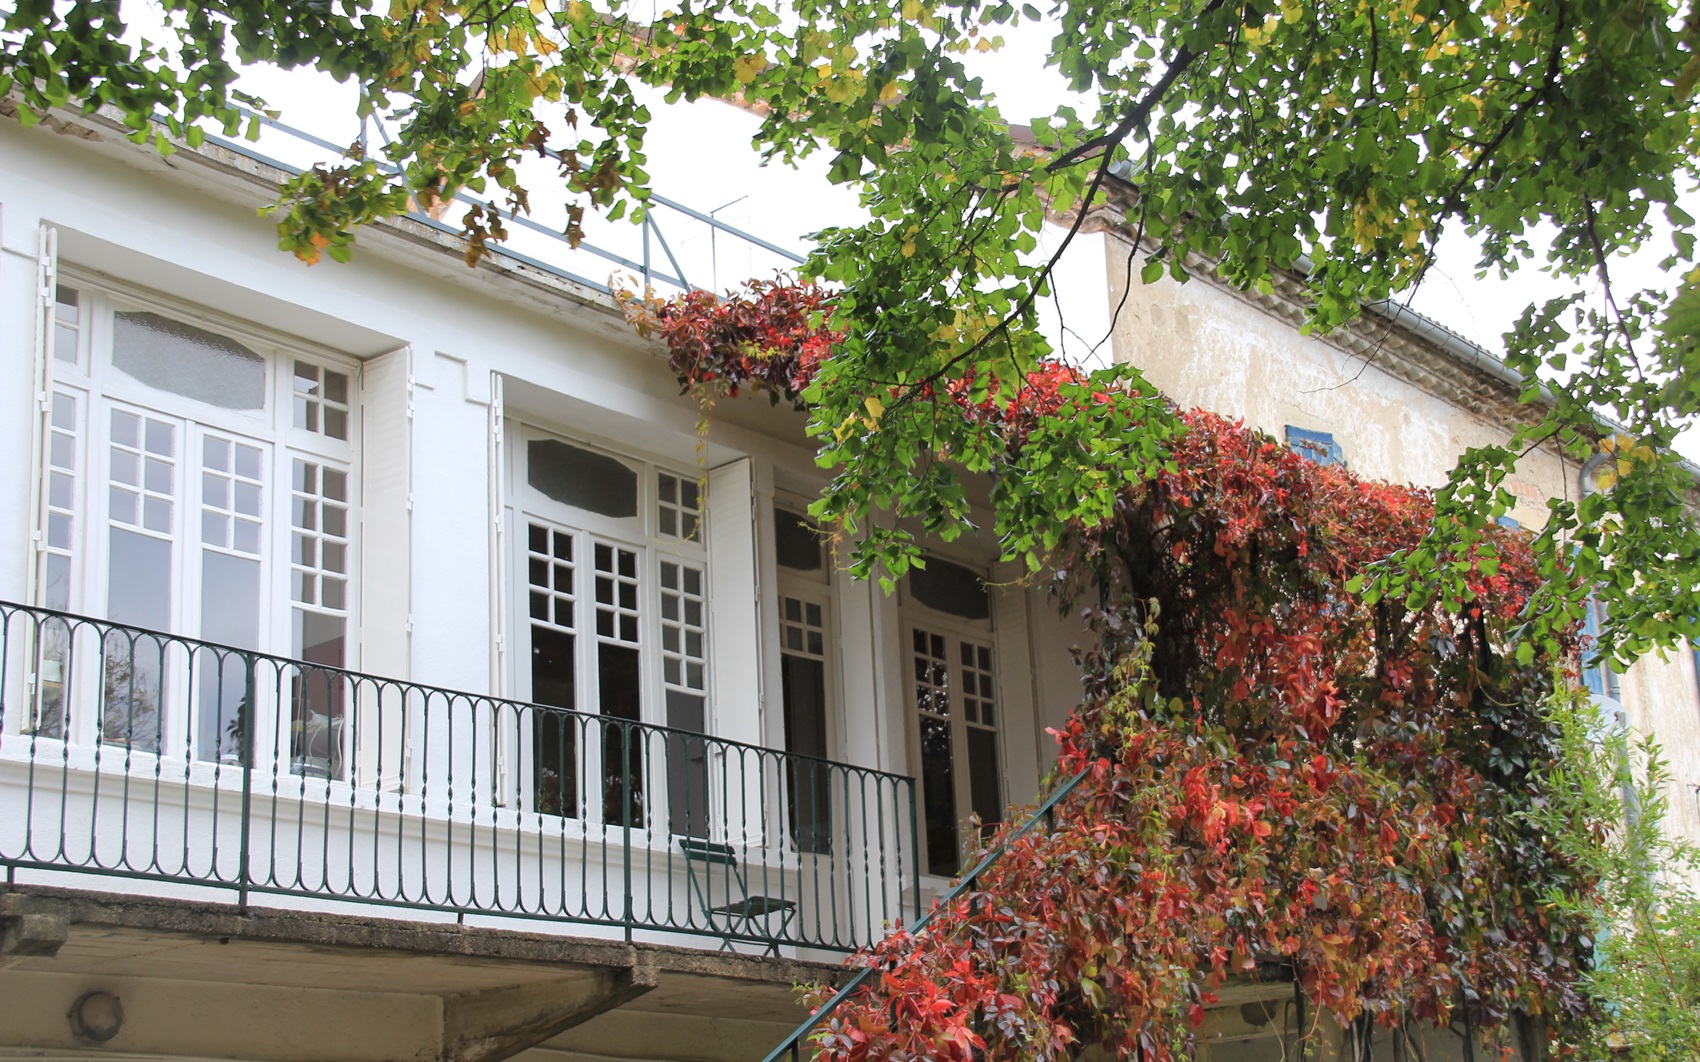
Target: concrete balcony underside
202 980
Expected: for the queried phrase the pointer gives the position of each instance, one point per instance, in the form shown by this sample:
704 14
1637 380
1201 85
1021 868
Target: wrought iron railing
133 753
798 1042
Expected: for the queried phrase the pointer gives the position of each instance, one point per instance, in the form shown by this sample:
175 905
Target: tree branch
1139 112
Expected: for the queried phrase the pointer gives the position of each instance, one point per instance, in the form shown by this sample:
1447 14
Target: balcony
132 754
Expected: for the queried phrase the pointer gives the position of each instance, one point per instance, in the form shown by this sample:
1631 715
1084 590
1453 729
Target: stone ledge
387 929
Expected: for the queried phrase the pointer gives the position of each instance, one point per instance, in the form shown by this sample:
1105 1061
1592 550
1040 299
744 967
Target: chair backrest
704 861
701 851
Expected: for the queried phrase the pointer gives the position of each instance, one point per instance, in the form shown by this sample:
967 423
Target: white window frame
912 614
98 387
527 505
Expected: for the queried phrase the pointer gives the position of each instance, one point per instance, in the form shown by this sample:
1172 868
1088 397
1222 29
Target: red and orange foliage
1282 775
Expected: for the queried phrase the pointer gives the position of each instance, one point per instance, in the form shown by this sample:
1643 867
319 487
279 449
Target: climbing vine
1287 777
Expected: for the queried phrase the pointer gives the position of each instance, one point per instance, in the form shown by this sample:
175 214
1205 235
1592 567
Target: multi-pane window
62 462
321 400
64 431
684 683
319 620
616 610
142 457
804 598
802 663
678 506
554 666
67 324
232 531
938 761
956 703
164 449
619 673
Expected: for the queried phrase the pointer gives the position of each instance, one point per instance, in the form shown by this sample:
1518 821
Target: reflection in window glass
683 657
950 588
581 478
619 683
803 688
318 695
938 766
133 666
554 761
185 360
230 531
230 615
797 542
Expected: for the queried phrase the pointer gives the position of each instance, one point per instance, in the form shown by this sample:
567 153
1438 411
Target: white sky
700 156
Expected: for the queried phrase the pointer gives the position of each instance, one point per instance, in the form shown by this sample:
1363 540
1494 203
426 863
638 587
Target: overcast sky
700 156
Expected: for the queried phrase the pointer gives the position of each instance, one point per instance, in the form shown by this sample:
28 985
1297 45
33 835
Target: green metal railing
793 1046
134 753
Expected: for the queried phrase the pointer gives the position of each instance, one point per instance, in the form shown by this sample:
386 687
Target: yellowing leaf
746 69
876 408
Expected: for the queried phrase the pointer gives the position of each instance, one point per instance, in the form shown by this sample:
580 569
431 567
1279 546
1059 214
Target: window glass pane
687 764
796 542
138 593
618 697
230 615
185 360
807 793
585 480
938 795
676 507
321 400
319 540
554 760
983 774
950 588
67 315
318 695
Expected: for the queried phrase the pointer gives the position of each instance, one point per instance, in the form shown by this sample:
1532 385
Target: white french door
956 711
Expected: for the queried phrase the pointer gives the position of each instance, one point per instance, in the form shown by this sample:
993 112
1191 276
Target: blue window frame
1319 446
1597 674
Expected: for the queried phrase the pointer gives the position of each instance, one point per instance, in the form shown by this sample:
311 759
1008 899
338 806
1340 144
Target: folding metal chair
707 862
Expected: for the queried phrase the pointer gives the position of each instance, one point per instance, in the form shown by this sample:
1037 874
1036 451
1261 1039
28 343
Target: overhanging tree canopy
1277 770
1333 136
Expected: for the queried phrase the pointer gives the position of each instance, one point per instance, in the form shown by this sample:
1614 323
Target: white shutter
500 563
46 283
1018 735
386 539
386 512
734 631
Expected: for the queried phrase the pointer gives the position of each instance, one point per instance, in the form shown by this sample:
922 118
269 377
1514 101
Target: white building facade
406 591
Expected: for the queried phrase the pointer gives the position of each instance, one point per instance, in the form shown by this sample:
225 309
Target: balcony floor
201 980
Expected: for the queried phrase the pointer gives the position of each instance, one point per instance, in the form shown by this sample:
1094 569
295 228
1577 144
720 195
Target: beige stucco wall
1209 347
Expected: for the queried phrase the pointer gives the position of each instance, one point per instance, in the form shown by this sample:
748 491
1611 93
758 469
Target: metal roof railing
701 246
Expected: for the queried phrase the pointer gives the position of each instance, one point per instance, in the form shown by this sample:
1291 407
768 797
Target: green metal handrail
127 752
792 1045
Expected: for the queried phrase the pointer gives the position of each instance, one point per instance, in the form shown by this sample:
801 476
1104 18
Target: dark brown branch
1140 111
